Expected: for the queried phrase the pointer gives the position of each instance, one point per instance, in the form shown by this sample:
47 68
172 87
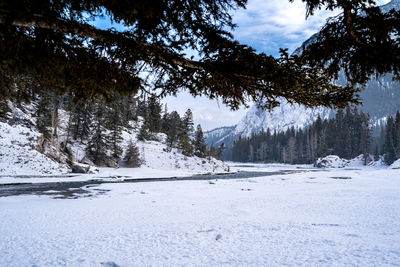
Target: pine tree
97 146
132 155
343 140
389 150
396 135
153 117
185 145
200 148
174 127
165 120
44 115
113 122
365 137
81 119
187 122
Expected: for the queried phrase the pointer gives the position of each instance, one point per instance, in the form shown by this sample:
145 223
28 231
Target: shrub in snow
331 161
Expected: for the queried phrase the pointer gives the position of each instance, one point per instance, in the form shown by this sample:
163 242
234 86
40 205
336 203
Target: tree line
347 135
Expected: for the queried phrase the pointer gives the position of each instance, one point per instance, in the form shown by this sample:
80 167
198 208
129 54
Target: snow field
311 218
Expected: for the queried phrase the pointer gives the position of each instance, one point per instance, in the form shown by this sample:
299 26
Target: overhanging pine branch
111 38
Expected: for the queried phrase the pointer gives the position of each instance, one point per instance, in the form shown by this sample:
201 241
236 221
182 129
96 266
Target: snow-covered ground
310 217
19 155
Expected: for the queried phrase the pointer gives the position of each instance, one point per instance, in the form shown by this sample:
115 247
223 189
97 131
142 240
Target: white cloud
270 25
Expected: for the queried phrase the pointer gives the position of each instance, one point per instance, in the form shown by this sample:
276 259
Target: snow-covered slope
22 153
155 155
19 154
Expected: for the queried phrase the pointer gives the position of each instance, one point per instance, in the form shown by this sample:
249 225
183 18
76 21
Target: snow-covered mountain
218 135
380 99
278 119
394 4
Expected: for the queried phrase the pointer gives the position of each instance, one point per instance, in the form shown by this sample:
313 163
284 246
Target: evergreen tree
187 122
153 118
132 155
185 145
113 123
97 146
81 117
142 108
365 137
184 130
389 150
343 139
200 148
396 135
165 120
44 115
174 127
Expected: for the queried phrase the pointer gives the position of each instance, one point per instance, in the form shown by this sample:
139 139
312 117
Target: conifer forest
98 125
347 135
